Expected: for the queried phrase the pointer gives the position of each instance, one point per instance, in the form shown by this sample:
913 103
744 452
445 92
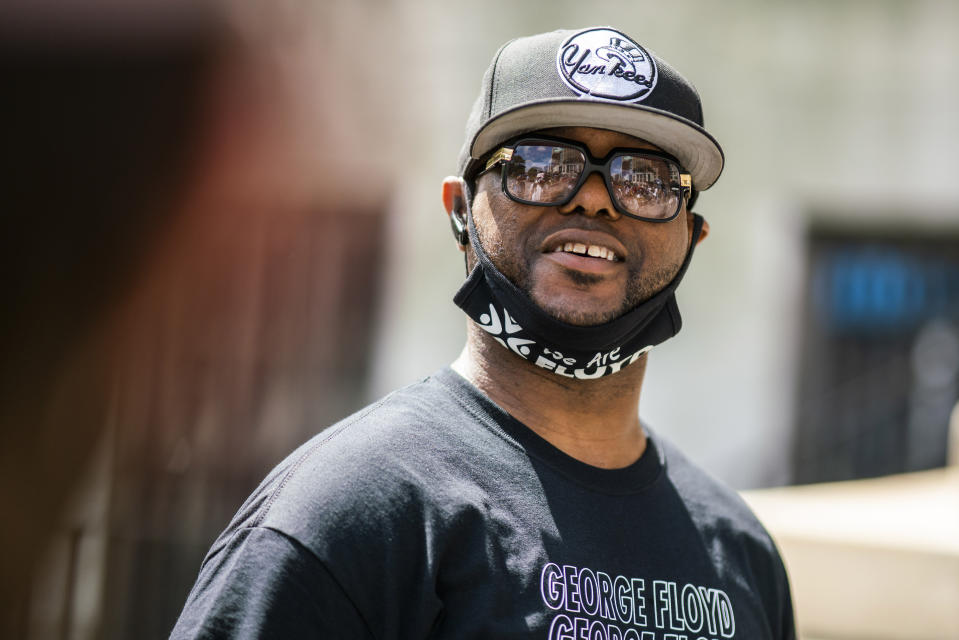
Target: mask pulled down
504 311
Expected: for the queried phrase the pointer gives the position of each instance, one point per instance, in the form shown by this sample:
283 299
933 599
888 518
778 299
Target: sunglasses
642 184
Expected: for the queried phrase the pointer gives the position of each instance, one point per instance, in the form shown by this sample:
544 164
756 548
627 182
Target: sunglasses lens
544 174
644 185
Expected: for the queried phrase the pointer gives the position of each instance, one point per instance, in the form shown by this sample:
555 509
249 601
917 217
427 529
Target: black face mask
516 322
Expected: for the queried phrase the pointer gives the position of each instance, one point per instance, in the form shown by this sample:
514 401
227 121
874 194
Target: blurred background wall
224 232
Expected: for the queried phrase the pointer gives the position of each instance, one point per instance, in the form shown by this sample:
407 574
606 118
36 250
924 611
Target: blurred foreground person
99 136
516 494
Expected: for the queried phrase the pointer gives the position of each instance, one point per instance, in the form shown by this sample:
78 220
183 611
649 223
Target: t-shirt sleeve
264 584
788 617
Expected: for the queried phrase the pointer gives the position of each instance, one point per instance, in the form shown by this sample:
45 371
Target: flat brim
696 150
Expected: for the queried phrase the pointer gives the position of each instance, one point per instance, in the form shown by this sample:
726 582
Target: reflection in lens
643 185
544 174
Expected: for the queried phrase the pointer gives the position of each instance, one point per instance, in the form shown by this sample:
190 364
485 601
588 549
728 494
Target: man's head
598 87
582 155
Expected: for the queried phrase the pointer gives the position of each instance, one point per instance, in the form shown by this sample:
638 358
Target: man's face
529 243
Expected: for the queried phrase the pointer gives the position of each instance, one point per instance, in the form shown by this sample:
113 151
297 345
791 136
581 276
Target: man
516 494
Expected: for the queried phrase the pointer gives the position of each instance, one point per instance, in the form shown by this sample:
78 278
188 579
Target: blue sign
876 288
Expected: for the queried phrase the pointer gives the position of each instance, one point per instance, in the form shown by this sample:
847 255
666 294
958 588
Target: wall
838 107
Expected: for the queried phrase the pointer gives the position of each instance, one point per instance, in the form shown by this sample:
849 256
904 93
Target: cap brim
696 150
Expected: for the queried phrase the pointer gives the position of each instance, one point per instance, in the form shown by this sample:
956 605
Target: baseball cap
596 77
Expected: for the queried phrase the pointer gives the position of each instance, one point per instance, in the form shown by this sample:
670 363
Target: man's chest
600 579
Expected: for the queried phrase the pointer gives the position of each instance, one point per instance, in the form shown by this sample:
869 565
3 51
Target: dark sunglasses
642 184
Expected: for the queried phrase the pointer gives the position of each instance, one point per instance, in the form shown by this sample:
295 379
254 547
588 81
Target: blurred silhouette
187 296
98 141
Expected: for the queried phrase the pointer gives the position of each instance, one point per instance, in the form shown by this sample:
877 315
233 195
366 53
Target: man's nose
592 200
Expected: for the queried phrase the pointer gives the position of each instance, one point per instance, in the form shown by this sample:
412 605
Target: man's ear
454 201
689 225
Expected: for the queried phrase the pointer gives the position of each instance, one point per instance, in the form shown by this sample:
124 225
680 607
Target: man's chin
580 313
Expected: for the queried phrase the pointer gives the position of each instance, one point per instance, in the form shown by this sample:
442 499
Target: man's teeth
592 250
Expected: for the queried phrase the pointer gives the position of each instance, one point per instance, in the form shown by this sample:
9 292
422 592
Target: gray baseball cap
597 77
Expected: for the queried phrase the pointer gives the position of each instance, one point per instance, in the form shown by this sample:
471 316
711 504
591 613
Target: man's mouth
591 250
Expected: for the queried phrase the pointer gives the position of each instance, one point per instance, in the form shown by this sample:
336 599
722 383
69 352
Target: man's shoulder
739 546
375 442
372 468
713 505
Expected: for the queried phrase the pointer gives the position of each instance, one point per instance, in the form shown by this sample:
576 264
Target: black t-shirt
435 514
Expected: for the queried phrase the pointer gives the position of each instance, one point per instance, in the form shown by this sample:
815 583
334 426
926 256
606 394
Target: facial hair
641 285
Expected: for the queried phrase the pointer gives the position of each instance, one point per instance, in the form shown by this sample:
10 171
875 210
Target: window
880 365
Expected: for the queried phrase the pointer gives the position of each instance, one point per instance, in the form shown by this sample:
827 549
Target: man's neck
594 421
